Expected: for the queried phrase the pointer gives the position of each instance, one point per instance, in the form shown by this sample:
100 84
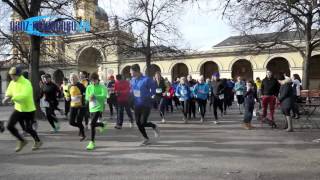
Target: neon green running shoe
91 146
104 128
20 145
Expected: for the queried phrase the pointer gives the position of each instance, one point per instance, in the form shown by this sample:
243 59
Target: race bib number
239 93
184 92
158 90
201 91
44 103
137 93
221 96
76 99
92 104
168 94
181 99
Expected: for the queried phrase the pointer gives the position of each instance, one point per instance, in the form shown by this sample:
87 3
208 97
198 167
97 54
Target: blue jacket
143 88
201 91
240 87
183 92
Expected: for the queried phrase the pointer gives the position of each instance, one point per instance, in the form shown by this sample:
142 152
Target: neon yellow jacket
21 94
100 93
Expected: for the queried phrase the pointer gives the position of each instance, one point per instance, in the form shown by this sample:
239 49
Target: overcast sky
200 25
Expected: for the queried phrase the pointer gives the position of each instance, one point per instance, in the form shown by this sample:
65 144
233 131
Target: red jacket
169 95
122 90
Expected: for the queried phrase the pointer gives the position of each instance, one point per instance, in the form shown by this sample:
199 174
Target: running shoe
57 126
20 145
104 128
145 142
36 145
216 122
131 125
82 138
156 132
118 127
201 120
91 146
163 121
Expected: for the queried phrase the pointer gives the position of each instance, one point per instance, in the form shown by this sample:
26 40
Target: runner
112 100
269 90
20 92
143 89
168 96
217 96
183 93
122 91
192 106
65 89
175 98
85 82
76 98
239 89
96 95
160 100
201 92
50 92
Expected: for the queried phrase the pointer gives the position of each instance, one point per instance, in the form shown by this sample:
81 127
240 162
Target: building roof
262 38
101 14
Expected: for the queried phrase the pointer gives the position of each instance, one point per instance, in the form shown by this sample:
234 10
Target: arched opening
58 77
278 66
208 69
314 72
179 70
89 59
242 68
153 69
126 72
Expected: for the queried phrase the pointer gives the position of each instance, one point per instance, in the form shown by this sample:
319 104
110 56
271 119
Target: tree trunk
34 71
306 68
148 51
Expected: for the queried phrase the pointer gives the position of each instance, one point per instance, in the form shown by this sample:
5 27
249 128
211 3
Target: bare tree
31 53
282 16
155 31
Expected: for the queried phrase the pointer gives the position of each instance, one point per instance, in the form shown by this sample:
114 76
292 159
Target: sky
200 25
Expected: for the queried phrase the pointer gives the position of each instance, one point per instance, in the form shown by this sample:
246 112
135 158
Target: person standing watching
269 91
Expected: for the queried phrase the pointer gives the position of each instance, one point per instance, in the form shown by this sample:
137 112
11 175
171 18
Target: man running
50 92
21 93
96 95
143 89
122 91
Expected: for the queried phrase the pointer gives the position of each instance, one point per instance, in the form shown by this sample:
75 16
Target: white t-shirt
298 84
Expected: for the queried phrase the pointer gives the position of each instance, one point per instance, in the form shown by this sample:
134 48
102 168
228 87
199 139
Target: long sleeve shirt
143 89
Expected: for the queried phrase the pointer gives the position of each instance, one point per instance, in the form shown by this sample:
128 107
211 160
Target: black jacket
286 96
51 92
270 87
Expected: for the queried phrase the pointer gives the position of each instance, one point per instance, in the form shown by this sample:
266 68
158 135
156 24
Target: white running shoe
163 121
156 132
216 122
131 125
145 142
201 120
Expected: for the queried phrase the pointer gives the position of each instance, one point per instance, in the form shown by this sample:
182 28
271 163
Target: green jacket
100 94
21 94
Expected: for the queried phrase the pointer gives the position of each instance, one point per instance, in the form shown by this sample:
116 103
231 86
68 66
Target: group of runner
86 98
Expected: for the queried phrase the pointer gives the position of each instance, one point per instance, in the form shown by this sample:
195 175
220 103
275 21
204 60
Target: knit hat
216 75
15 71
